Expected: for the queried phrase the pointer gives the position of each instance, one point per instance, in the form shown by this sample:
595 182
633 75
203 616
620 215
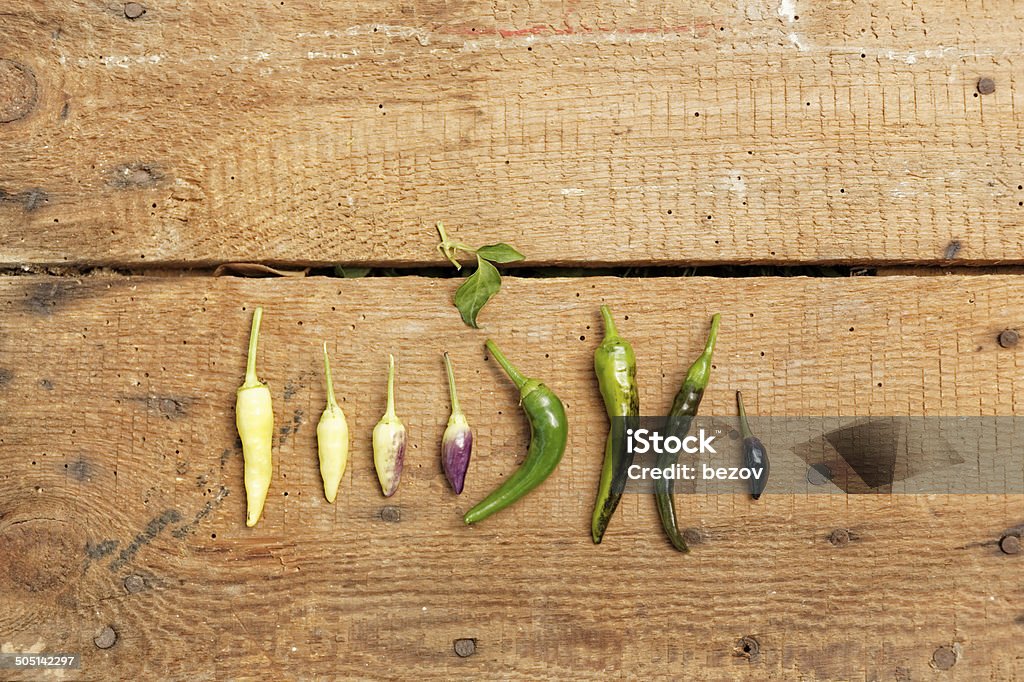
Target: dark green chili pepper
615 366
684 409
549 431
755 456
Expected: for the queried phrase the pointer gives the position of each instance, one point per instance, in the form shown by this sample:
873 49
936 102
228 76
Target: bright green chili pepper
615 366
549 431
684 409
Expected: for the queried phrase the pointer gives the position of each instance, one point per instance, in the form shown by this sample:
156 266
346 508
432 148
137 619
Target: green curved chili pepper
684 409
615 366
549 431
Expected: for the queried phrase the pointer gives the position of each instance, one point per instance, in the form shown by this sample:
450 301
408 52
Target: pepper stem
744 427
254 335
609 322
449 247
330 384
456 410
390 411
709 346
514 374
700 370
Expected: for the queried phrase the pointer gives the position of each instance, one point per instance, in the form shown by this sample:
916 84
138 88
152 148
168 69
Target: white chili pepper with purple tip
457 442
389 441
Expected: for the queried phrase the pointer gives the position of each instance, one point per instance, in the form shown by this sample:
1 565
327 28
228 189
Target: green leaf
350 272
476 291
500 253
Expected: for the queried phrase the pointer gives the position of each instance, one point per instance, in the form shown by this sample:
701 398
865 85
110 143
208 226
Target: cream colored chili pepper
254 417
389 441
332 438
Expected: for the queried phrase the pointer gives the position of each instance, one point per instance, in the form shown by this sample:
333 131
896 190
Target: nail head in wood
840 537
1008 338
106 638
1010 544
134 584
944 658
986 86
465 647
133 10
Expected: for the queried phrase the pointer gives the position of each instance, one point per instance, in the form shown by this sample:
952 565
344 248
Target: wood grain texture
748 131
121 499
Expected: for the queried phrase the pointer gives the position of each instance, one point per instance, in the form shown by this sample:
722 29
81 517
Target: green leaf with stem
500 253
478 288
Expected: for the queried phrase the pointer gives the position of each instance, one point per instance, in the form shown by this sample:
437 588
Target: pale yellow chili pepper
254 417
332 438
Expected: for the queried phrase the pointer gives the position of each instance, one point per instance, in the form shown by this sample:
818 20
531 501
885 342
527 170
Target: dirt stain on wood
98 550
290 389
29 199
43 298
153 529
288 429
80 469
191 526
171 407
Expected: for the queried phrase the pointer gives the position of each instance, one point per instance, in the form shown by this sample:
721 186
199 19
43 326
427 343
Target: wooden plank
204 132
121 501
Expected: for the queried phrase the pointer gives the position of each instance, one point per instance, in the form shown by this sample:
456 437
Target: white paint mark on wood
125 61
733 182
650 188
787 10
905 57
317 54
902 190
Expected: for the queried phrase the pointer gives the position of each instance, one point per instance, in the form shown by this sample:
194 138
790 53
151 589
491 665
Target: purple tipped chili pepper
755 456
389 441
457 443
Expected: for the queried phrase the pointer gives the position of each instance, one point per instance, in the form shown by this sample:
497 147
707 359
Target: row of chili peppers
615 365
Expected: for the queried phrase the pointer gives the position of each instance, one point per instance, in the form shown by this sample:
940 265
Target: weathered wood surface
121 499
757 131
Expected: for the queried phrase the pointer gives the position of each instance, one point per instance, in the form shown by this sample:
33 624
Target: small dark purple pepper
755 456
457 442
